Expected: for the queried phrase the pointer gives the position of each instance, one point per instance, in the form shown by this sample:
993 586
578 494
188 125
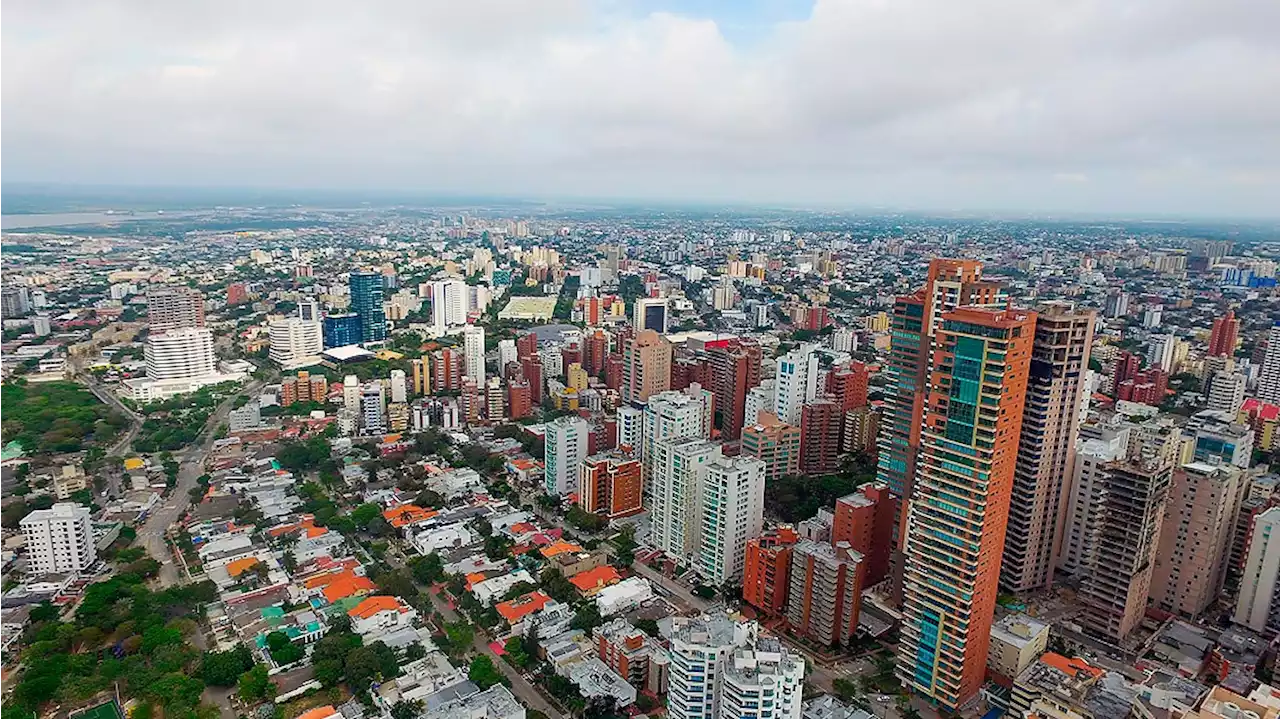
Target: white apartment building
702 651
844 339
399 386
473 349
732 499
59 540
1269 380
759 399
295 342
671 415
351 393
679 470
1259 605
566 446
507 353
181 354
373 408
449 300
1088 481
765 681
795 383
1226 392
630 427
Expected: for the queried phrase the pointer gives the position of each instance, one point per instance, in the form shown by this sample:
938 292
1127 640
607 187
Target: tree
283 651
648 626
483 673
223 669
460 636
364 514
428 498
587 618
255 684
557 587
428 569
406 709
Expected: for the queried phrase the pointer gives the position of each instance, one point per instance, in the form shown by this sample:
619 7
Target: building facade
959 504
732 512
59 540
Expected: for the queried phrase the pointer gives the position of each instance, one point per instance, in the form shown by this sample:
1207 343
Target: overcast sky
1113 106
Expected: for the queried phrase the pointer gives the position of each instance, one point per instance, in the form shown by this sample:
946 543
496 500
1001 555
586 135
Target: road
524 691
109 398
153 533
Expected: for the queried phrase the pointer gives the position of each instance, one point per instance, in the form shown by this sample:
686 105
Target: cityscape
799 359
477 462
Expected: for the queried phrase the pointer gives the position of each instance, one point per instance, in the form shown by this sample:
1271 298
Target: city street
152 535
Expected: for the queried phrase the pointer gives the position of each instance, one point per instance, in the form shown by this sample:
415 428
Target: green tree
255 684
364 514
223 669
483 673
282 650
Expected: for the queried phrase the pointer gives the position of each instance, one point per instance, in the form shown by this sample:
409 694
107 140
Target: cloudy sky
1114 106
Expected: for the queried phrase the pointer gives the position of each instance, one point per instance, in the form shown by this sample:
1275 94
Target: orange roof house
559 547
324 712
239 566
340 585
593 580
407 514
373 605
521 607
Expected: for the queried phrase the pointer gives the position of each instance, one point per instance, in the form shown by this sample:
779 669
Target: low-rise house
380 614
620 597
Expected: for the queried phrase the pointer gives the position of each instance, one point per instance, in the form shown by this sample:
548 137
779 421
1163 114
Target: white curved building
295 342
180 354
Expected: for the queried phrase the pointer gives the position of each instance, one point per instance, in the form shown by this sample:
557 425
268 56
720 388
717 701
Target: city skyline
1040 108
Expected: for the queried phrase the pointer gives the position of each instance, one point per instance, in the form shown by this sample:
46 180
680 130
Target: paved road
109 398
520 686
152 533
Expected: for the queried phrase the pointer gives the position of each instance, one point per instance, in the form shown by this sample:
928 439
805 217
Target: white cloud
924 103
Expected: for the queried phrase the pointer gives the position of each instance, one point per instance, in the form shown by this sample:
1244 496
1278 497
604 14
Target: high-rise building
173 308
765 681
342 330
1258 607
735 369
864 520
650 313
916 317
373 405
351 393
611 485
59 540
1118 502
1059 358
507 353
1222 340
595 352
775 443
766 570
527 345
679 470
566 448
15 301
820 425
701 650
630 428
366 301
646 366
825 596
1195 538
576 377
495 399
420 379
847 384
295 342
308 310
732 512
473 347
959 505
180 354
237 293
671 415
795 383
1269 379
446 370
449 301
519 398
1226 392
399 386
